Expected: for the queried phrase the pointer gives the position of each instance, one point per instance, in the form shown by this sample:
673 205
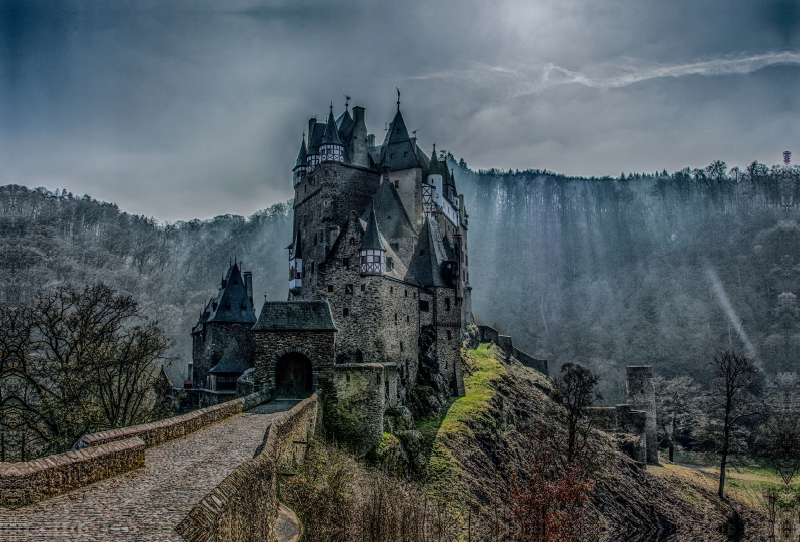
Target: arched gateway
295 348
294 376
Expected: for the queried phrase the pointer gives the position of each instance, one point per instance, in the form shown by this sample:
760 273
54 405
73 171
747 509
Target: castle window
389 264
363 287
348 289
395 246
405 153
407 319
378 379
330 287
395 318
447 303
391 289
466 259
346 263
347 377
391 155
312 268
345 312
449 335
397 184
315 238
401 346
406 294
423 305
352 241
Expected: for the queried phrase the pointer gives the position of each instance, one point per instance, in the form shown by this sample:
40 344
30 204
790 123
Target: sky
182 109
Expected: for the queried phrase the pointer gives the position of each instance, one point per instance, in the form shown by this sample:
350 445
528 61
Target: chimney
311 123
248 282
371 140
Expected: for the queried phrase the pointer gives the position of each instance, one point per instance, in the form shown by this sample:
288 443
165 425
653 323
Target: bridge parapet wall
159 432
244 506
29 482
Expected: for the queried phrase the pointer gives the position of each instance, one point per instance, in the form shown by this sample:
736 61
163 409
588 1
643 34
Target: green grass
444 472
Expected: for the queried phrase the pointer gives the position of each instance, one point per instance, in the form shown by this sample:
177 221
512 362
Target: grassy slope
476 445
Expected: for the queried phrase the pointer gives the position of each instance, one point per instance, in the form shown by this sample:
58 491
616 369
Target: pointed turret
301 164
434 167
371 251
331 148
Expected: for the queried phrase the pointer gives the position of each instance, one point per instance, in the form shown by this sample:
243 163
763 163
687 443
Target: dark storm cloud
188 108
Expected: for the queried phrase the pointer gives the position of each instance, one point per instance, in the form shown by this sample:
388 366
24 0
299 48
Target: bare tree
576 390
730 399
91 362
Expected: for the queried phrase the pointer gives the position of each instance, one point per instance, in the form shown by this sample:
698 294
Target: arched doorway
293 376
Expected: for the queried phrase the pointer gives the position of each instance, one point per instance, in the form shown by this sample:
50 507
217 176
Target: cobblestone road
146 504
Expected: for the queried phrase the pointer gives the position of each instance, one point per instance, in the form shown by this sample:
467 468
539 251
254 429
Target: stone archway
294 376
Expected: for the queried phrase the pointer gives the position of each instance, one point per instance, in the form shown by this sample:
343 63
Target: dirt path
145 505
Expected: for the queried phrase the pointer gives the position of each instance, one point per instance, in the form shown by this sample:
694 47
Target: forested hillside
658 269
644 269
171 270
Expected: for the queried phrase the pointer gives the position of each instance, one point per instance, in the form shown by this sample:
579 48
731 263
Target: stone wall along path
146 504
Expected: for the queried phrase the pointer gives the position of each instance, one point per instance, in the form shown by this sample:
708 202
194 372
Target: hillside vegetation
480 444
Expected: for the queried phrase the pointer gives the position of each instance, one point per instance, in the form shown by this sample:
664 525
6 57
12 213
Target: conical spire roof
399 132
232 301
302 156
331 131
434 167
372 236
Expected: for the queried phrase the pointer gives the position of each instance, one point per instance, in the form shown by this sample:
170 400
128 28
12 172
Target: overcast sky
193 108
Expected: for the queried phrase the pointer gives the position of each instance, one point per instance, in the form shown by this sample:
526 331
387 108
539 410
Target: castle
378 276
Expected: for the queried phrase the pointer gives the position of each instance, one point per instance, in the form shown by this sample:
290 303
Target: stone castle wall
642 396
490 334
317 346
244 507
363 391
26 483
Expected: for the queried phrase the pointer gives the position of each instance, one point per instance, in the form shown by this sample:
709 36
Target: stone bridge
213 481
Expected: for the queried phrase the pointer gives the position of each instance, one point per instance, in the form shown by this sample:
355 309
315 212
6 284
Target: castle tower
371 253
296 265
301 165
642 396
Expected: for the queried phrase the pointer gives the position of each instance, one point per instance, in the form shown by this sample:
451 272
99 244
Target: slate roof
392 218
372 235
426 265
315 138
232 302
296 248
433 167
398 151
331 135
231 361
302 156
295 316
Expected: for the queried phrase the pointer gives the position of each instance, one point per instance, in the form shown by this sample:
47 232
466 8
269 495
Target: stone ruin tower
642 396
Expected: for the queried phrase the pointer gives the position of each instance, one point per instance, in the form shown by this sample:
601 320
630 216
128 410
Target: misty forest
693 272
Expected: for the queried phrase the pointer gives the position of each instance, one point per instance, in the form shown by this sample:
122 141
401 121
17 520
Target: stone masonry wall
642 396
448 348
317 346
244 507
26 483
361 390
505 342
156 433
